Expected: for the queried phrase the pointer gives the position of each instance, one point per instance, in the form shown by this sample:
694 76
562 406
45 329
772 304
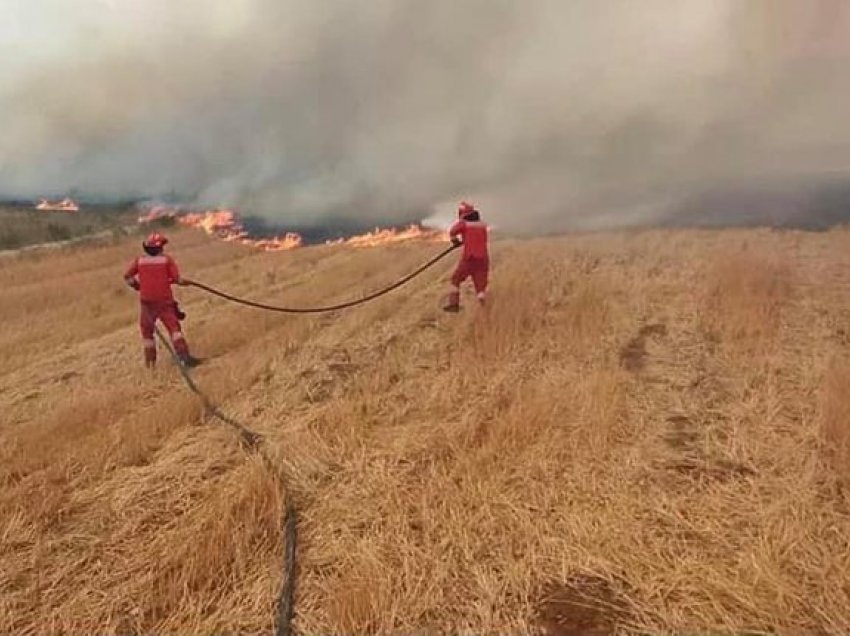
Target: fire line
226 225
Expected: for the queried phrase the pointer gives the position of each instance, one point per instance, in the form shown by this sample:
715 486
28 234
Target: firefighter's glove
456 241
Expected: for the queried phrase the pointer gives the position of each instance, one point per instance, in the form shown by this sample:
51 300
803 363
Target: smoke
550 115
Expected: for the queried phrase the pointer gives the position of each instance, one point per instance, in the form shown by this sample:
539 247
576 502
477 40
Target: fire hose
326 308
254 441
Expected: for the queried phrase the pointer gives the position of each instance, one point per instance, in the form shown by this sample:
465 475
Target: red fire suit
475 261
153 276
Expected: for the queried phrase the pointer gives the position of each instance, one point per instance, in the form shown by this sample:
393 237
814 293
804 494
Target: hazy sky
552 114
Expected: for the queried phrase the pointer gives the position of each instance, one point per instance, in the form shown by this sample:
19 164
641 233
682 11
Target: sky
550 115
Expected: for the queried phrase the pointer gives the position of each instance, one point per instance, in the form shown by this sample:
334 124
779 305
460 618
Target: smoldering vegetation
552 115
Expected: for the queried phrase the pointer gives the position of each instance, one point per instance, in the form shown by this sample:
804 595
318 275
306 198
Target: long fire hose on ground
326 308
253 441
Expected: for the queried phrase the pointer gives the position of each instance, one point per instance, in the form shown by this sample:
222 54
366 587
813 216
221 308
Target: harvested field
643 431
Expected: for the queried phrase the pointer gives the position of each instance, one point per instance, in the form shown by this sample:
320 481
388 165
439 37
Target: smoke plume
551 115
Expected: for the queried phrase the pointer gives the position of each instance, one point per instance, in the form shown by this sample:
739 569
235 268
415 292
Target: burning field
644 429
643 432
227 226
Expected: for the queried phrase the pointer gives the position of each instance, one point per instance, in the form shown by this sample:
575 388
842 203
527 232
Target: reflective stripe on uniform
177 336
153 260
149 343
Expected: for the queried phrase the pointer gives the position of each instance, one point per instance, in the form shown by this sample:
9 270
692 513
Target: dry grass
835 423
746 292
641 431
22 226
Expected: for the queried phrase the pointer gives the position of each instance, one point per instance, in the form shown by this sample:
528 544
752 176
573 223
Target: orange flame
225 225
65 205
387 236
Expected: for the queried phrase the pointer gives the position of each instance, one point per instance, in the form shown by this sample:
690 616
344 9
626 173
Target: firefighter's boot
452 303
150 356
189 361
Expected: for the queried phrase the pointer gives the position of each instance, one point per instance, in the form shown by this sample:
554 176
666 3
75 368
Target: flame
222 223
65 205
225 225
389 235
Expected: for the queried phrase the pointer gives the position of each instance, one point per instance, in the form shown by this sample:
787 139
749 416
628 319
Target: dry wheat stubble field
645 432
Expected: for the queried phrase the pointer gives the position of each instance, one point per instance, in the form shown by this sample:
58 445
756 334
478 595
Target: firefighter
152 275
471 232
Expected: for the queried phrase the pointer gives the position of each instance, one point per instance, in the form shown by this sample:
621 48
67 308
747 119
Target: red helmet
464 210
155 240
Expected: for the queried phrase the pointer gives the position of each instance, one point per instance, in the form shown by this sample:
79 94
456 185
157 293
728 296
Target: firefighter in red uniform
471 232
152 276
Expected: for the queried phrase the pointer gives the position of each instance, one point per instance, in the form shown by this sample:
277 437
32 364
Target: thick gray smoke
551 114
